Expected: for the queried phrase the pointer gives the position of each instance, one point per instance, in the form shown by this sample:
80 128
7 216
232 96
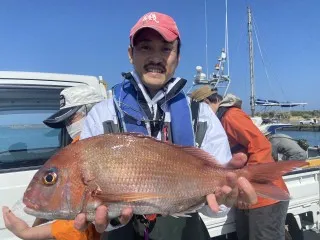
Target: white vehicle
309 122
26 99
304 207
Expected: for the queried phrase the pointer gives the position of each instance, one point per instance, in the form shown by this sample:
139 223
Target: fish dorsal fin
194 151
206 157
127 197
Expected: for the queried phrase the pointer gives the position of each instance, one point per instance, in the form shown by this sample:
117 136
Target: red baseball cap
162 23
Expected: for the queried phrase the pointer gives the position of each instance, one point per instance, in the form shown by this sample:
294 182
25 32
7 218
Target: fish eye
50 178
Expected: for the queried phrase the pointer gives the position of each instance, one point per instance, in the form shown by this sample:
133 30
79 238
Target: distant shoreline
305 128
24 126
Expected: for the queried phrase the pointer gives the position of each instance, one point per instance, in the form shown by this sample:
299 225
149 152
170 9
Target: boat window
25 142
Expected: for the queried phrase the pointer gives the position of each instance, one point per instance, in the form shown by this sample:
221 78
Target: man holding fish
154 52
150 92
128 177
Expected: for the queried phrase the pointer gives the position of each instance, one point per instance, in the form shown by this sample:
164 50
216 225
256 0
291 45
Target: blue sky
91 37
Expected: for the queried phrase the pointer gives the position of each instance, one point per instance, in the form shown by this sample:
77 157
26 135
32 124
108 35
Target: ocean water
313 138
13 138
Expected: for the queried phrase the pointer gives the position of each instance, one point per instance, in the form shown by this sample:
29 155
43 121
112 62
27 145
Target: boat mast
252 103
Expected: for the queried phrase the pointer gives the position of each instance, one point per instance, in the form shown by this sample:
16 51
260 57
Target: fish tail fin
262 175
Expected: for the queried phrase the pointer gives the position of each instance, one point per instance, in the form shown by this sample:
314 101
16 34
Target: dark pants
165 228
265 223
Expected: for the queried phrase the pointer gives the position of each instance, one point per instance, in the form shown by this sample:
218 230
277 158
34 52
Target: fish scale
152 168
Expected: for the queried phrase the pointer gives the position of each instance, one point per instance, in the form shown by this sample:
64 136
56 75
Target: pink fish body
152 177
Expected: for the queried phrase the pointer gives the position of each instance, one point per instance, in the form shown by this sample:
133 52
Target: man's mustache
155 65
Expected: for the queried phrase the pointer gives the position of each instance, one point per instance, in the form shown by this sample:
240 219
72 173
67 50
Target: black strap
110 127
199 128
195 107
201 132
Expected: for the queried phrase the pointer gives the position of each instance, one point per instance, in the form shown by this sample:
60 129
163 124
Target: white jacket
215 140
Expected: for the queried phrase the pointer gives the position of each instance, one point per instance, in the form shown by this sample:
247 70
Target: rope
256 30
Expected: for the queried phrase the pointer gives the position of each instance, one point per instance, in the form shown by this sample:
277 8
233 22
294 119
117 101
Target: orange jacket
241 130
64 229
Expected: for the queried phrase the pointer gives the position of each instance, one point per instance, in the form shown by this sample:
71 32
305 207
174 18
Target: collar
170 90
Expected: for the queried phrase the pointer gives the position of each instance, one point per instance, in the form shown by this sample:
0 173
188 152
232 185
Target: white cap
78 96
71 100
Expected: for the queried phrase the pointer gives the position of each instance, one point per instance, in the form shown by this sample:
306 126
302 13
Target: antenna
252 97
226 47
206 27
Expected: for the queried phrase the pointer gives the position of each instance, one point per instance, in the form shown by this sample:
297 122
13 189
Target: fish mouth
31 204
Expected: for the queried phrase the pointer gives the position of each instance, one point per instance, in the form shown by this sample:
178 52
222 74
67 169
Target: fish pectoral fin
86 178
128 197
185 213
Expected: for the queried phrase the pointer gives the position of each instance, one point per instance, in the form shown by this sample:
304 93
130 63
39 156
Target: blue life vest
132 117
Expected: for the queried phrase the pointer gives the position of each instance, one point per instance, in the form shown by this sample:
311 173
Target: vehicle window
24 140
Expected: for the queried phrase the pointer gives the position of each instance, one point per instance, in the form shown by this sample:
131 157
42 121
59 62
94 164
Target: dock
306 128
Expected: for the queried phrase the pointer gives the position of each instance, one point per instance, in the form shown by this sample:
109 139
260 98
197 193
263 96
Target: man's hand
238 160
238 192
101 219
